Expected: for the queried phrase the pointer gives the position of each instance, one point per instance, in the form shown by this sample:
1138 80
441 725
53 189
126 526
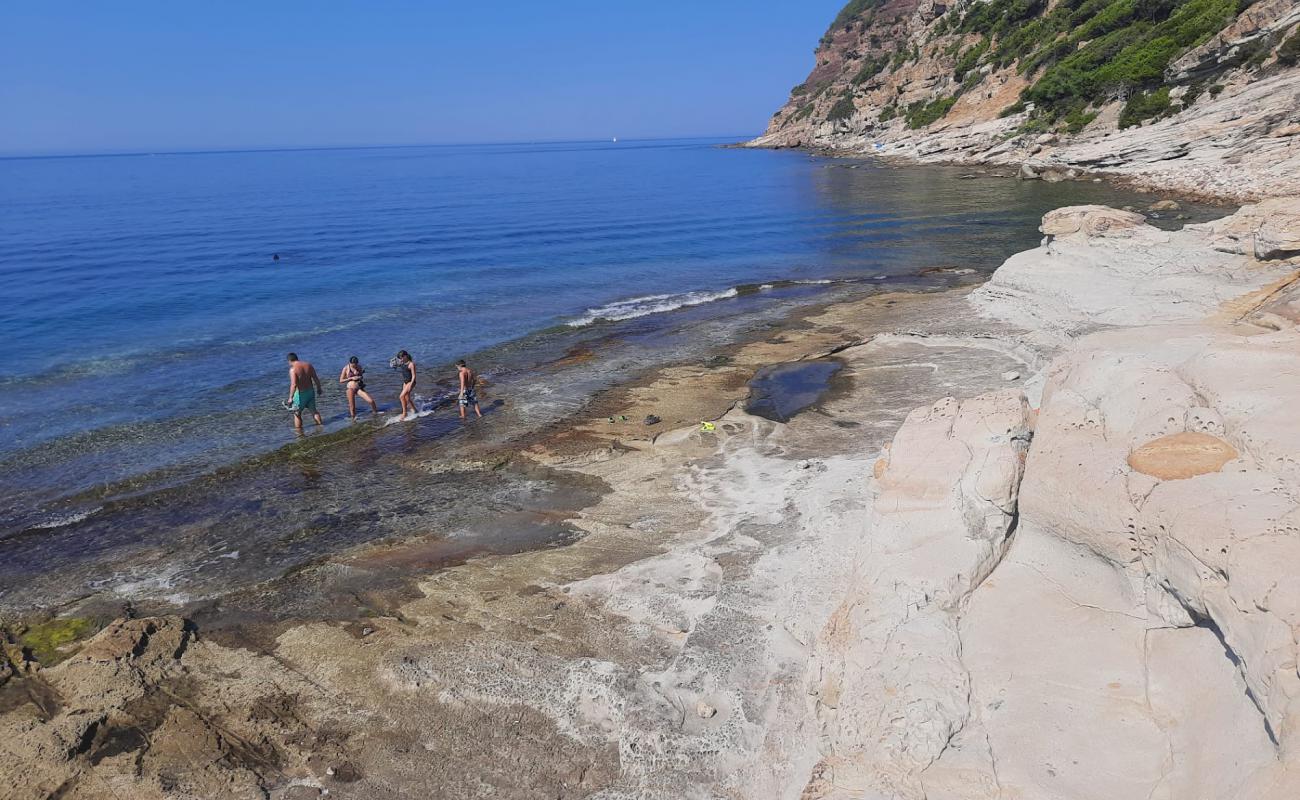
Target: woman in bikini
406 366
352 375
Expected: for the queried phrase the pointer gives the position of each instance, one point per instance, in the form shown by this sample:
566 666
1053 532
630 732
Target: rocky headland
1037 539
1197 96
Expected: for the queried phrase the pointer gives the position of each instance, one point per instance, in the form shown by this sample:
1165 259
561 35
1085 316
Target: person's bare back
303 374
304 385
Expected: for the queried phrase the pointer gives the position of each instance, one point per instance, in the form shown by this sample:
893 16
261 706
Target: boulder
1267 230
1278 235
893 690
1103 267
1089 221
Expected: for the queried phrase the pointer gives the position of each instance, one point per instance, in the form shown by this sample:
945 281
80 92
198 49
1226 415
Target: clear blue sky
100 76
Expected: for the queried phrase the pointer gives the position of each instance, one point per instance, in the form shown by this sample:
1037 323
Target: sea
151 299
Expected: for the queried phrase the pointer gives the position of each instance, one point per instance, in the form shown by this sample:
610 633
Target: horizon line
311 148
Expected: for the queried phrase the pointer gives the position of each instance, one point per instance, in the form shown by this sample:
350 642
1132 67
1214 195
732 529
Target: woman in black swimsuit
352 376
406 365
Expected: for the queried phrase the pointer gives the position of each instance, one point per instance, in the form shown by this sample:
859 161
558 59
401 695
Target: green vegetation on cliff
922 113
852 10
843 108
1088 52
1289 52
1076 55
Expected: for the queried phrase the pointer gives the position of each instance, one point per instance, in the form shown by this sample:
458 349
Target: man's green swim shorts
304 400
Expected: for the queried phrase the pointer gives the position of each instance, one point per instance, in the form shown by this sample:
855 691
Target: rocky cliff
1198 95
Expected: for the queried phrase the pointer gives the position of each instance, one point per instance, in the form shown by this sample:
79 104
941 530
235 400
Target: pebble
705 710
1011 376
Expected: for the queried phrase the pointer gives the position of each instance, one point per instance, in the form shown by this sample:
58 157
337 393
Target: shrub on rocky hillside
922 113
1145 105
1289 52
843 109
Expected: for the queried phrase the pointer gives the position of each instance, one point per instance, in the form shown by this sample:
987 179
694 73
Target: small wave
424 406
650 304
58 520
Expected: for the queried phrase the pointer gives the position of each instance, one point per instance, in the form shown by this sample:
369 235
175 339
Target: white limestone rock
1104 267
893 692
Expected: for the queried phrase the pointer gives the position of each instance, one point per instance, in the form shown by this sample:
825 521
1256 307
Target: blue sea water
145 321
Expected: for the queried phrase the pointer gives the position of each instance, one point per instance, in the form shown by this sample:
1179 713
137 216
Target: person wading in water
468 397
406 366
304 385
352 375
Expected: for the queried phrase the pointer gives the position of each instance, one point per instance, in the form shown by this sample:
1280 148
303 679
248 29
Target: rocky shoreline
921 82
1068 574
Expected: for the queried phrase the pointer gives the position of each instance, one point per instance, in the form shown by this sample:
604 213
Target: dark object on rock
651 419
345 773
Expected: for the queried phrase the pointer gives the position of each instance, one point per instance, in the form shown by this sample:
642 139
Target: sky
97 77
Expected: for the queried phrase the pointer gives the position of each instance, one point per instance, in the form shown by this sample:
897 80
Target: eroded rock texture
1134 634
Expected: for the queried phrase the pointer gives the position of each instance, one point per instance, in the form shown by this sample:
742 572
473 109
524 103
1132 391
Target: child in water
468 397
352 375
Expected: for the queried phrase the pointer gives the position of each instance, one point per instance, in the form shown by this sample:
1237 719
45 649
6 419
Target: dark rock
651 419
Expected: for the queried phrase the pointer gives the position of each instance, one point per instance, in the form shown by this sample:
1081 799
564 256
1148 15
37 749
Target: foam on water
58 520
650 304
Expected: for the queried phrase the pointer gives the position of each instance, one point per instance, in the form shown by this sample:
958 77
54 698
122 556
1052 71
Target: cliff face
1114 85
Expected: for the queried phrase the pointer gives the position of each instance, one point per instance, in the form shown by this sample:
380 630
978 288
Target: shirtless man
304 385
468 397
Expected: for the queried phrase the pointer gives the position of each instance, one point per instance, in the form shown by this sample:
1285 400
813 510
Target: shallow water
780 391
147 325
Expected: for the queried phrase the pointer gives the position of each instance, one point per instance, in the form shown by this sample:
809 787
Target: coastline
715 626
419 594
1153 186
